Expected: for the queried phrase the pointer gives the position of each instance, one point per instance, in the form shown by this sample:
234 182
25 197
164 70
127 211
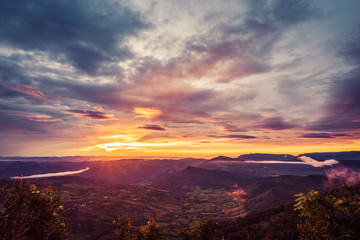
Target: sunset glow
179 78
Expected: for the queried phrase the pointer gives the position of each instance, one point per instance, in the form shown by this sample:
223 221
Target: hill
351 155
268 157
205 178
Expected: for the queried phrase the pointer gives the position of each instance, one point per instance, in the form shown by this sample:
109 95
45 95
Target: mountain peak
222 158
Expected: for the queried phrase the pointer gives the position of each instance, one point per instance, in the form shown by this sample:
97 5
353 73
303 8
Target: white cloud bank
315 163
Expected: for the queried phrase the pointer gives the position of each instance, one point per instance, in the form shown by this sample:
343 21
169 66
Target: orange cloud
148 113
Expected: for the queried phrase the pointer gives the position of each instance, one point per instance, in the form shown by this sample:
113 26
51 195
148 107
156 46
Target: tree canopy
31 212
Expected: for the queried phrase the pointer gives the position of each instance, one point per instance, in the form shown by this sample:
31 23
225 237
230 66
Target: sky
178 78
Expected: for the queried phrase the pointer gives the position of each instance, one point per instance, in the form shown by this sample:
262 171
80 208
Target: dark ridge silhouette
223 158
265 156
351 155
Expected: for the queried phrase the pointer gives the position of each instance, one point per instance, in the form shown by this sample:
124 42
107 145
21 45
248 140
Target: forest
34 212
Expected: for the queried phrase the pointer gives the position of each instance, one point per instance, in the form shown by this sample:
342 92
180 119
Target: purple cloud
317 135
90 114
275 123
235 136
153 127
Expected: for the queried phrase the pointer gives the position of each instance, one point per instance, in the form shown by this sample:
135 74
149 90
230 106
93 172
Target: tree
207 229
334 215
122 228
151 231
32 213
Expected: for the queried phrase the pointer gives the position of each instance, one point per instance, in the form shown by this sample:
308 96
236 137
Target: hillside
205 178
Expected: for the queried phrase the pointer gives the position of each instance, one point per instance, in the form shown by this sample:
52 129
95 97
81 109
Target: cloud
316 163
235 136
243 46
232 128
153 127
23 125
85 33
157 135
342 110
91 114
92 93
147 113
281 13
29 90
275 123
317 135
324 135
31 116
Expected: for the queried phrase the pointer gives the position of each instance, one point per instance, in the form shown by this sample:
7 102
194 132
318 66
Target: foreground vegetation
28 211
31 213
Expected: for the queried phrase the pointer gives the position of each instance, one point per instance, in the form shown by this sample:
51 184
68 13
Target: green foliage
122 228
30 212
334 215
207 229
278 223
149 232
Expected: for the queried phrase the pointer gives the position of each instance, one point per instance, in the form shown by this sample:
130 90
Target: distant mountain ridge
264 156
320 156
351 155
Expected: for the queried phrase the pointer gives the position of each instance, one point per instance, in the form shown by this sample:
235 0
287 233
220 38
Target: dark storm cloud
90 114
275 123
153 127
86 33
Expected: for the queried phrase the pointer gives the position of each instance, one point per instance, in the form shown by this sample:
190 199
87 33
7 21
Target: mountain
273 191
257 157
256 193
223 158
352 155
194 176
268 157
320 156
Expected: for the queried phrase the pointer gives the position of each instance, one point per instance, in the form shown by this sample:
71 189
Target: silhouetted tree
30 212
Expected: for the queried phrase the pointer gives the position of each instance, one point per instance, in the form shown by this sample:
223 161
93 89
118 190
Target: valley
176 193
